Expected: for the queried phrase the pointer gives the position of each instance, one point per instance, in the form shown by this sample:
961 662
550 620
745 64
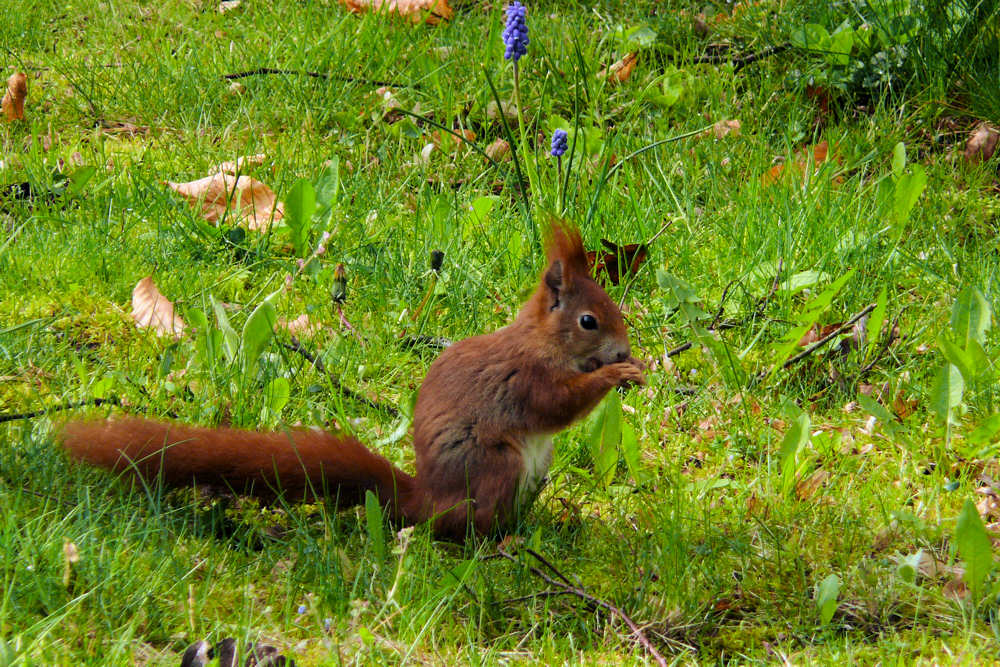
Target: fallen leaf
252 202
237 88
903 407
300 325
808 487
498 150
507 109
800 165
13 99
115 127
620 261
429 11
724 128
449 143
981 146
239 165
620 71
150 309
955 589
228 5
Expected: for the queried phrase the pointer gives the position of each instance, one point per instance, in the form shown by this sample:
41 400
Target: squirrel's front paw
625 373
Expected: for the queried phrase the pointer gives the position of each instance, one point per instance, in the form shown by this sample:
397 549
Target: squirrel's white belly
536 457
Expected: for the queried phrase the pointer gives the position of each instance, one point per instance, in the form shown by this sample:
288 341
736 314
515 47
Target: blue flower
301 609
559 143
515 34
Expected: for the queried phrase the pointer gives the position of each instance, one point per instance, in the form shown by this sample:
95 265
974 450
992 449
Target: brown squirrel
482 425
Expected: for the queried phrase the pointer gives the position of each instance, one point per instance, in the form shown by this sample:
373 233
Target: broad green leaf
478 210
802 280
276 395
909 567
841 44
986 432
810 36
257 331
908 189
79 178
681 295
826 598
328 188
877 410
375 525
971 317
196 319
955 355
796 438
638 37
605 438
300 204
230 339
974 547
875 321
946 395
455 577
630 452
898 160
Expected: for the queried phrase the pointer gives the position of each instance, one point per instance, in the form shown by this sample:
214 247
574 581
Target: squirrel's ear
553 279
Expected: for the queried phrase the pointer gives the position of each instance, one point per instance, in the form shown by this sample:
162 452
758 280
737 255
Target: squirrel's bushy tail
300 463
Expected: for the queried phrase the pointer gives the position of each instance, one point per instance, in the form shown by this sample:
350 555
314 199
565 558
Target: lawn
809 475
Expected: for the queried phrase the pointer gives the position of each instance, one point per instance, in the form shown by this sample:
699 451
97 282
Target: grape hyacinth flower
559 143
515 34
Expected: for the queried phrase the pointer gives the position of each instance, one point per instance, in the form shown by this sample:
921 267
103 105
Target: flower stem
529 163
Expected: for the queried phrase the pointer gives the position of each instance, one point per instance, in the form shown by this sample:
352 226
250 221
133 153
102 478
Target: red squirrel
482 426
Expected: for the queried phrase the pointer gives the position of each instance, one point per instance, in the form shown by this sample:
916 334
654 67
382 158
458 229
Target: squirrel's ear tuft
564 244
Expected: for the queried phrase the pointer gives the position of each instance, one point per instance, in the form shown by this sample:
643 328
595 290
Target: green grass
707 545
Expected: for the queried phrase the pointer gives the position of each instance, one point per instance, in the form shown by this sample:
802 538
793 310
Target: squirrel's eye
588 321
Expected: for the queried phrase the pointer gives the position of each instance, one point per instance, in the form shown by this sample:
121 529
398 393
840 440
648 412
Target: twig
827 338
740 62
579 592
59 408
723 326
889 340
296 346
316 75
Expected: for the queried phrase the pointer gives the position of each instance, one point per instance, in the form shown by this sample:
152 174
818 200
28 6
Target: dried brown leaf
253 203
429 11
724 128
240 164
807 488
498 150
150 309
228 5
449 143
13 99
301 325
982 143
800 165
620 71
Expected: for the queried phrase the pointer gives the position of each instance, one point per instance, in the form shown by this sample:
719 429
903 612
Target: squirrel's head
576 317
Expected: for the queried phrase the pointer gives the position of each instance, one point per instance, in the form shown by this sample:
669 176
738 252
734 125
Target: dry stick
722 326
741 61
296 346
316 75
827 338
889 340
587 597
58 408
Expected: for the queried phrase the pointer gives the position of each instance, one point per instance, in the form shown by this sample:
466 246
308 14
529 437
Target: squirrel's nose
622 355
